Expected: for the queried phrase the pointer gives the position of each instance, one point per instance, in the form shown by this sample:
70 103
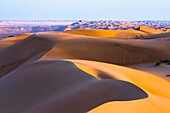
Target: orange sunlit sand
82 71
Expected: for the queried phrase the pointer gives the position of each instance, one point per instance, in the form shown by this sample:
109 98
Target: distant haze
85 10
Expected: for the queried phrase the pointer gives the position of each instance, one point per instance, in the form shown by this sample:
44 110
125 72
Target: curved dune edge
155 36
157 88
119 34
18 37
29 49
122 52
150 31
12 40
47 87
70 46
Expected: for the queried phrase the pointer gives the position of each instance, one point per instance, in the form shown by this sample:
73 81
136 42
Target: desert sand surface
59 84
119 34
153 85
161 70
157 36
49 72
150 31
123 52
12 40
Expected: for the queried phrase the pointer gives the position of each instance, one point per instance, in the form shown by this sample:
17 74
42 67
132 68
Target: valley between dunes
81 71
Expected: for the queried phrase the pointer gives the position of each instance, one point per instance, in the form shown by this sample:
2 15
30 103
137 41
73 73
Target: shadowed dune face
59 86
156 88
29 49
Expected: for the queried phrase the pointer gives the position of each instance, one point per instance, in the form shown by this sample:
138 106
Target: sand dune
59 84
161 35
161 70
123 52
12 40
150 31
119 34
78 86
18 37
158 100
29 49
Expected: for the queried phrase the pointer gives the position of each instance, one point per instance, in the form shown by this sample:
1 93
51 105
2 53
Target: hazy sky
85 9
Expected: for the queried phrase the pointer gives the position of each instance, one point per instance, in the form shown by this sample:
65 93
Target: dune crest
123 52
11 58
117 34
150 31
54 88
156 88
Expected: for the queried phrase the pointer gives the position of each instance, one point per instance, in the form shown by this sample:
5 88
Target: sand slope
156 36
119 34
150 31
59 86
123 52
161 70
76 86
12 40
29 49
157 89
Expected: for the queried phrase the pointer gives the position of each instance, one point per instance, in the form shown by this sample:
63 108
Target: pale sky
85 10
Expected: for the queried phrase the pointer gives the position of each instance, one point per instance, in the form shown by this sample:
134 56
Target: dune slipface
36 81
59 86
27 50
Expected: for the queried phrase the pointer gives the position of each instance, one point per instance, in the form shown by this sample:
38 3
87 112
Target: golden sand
150 30
119 34
73 77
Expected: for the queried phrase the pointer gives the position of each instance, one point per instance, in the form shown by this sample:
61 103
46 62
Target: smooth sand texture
59 86
27 50
157 89
12 40
161 70
123 52
156 36
78 86
18 37
150 30
118 34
